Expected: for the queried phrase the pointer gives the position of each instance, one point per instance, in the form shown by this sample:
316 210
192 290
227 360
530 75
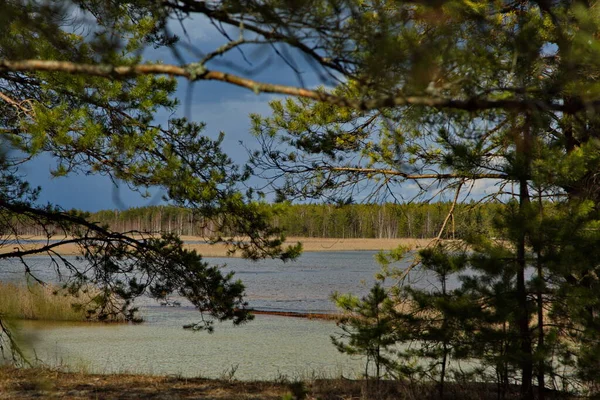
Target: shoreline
219 250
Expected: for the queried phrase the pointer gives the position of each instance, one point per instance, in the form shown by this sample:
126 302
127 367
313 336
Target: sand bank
220 250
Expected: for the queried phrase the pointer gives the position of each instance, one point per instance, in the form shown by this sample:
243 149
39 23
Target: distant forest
415 220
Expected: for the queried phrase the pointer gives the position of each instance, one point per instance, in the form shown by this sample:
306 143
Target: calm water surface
302 285
266 348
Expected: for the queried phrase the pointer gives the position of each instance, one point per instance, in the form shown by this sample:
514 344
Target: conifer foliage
90 125
442 96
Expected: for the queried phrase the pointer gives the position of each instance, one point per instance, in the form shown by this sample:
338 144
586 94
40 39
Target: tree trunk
445 349
540 313
523 313
523 149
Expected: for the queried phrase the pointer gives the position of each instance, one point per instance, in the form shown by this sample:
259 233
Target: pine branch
59 217
200 7
197 72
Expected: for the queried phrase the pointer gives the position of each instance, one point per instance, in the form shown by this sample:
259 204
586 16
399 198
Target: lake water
269 347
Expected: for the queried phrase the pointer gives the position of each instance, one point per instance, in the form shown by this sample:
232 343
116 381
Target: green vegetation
368 326
90 125
50 303
442 97
422 99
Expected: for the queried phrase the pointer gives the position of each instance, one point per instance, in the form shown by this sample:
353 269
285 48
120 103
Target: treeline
414 220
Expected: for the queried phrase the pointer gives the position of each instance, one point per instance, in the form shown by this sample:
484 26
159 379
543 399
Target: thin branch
226 47
225 17
436 240
15 349
18 105
23 209
418 176
450 213
42 249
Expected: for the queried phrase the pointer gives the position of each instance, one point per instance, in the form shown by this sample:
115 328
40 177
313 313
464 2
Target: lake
270 347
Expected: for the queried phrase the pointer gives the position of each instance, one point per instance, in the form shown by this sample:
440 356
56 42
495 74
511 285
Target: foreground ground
218 250
39 383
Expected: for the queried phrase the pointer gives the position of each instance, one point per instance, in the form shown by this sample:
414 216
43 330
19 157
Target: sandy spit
220 250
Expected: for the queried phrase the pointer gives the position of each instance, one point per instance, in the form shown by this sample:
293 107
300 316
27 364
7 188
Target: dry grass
219 250
42 383
39 302
38 383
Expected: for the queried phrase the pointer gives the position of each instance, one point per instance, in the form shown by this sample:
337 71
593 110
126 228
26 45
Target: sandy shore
219 250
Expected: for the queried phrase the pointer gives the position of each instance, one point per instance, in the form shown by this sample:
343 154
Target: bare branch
419 176
225 17
449 215
41 249
18 105
226 47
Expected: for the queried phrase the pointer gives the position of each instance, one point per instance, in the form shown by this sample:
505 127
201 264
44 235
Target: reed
49 302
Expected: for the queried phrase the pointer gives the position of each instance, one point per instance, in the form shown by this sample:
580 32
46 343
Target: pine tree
368 327
92 125
433 94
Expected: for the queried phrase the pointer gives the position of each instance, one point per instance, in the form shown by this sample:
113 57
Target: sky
221 106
